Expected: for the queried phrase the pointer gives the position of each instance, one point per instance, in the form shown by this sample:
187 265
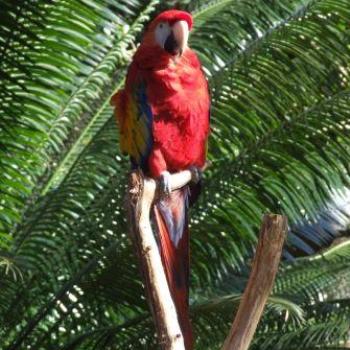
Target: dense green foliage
279 73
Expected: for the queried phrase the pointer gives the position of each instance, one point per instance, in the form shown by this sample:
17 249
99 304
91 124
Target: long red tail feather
171 219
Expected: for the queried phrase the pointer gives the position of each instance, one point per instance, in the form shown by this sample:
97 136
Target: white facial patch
162 32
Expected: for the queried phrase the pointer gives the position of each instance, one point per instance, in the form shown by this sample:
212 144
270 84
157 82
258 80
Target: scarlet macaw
163 117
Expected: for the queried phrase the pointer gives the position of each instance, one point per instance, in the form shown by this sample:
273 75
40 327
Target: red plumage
163 115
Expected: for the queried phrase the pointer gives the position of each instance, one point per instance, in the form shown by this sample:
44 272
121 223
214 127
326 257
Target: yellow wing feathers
134 119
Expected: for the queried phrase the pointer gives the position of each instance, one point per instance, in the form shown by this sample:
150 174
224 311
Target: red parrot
163 115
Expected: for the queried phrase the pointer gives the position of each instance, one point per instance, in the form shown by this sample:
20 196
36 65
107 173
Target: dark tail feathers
171 218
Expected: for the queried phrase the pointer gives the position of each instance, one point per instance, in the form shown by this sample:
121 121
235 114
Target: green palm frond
292 320
63 90
259 111
280 142
224 29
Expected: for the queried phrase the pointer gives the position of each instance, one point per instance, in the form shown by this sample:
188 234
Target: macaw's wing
134 117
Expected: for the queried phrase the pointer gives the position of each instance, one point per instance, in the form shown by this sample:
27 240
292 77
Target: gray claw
196 174
165 185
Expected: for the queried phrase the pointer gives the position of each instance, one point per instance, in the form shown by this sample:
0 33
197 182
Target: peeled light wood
261 280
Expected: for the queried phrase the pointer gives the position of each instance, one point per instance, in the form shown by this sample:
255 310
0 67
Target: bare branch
261 280
142 192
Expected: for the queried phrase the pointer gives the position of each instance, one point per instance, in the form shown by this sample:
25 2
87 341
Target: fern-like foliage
279 77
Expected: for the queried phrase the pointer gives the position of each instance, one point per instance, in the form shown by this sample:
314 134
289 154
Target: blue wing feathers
145 117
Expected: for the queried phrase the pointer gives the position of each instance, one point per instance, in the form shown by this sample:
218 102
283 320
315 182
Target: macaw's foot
196 174
164 184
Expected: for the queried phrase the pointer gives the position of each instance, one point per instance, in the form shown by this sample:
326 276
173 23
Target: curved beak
176 43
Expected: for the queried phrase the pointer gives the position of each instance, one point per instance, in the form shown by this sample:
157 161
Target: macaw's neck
153 58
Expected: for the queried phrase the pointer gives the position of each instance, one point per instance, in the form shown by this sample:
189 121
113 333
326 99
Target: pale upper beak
181 32
176 42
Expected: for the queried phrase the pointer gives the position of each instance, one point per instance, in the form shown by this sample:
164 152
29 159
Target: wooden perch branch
142 192
261 280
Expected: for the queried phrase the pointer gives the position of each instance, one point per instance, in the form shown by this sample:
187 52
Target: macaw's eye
161 26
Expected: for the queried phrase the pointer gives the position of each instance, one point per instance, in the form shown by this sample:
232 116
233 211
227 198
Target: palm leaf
280 143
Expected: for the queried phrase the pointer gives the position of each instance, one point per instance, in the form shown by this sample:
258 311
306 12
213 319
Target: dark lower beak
171 45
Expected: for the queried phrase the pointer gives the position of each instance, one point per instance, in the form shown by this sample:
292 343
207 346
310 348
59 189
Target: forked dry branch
142 192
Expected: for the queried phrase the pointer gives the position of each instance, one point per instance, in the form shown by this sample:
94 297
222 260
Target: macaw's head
169 31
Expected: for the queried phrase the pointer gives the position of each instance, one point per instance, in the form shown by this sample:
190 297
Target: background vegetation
279 72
